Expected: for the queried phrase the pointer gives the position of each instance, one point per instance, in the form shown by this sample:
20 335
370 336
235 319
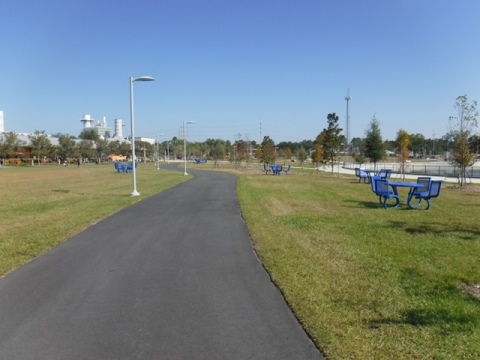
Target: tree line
459 145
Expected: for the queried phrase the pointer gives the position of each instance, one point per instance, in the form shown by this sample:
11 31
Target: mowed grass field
41 206
370 283
365 282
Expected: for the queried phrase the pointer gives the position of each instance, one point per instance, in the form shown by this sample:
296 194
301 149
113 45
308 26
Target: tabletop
405 184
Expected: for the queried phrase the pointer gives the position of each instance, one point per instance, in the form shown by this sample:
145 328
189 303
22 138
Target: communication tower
347 99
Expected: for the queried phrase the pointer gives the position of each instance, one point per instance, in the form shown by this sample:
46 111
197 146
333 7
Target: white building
101 128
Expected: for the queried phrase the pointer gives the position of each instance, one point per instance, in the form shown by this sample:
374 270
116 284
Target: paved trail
171 277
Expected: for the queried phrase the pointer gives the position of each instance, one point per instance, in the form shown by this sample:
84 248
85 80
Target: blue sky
230 66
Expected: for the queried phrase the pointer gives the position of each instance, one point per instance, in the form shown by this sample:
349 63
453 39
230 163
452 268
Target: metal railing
445 170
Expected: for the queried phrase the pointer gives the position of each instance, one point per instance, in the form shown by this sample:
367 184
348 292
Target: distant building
147 140
101 128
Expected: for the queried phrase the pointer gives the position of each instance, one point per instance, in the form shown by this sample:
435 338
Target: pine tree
332 140
374 148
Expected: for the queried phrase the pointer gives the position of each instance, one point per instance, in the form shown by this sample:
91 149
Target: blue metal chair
384 173
419 192
120 167
129 167
374 188
383 190
362 174
433 191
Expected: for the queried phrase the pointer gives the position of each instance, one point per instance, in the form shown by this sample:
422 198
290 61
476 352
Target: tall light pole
185 145
347 99
132 124
235 156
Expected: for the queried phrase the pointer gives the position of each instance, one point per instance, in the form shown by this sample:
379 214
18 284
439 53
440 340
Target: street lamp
234 156
132 79
185 145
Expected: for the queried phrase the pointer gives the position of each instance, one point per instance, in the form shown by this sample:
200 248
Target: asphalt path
171 277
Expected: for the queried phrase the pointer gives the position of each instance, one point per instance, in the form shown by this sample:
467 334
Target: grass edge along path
366 282
43 206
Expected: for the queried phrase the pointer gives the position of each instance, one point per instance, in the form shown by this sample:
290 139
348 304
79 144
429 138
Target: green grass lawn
365 282
41 206
369 283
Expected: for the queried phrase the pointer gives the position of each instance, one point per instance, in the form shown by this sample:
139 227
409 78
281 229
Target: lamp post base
135 193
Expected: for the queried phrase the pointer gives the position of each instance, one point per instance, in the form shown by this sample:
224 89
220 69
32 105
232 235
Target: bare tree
302 155
217 152
466 120
403 153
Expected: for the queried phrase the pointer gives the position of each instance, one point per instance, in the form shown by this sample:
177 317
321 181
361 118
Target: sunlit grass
41 206
368 282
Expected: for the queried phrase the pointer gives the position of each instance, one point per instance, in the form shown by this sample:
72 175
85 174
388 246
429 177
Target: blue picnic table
423 189
276 169
366 175
122 167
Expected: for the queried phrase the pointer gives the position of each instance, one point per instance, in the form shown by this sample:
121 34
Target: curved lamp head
143 78
188 122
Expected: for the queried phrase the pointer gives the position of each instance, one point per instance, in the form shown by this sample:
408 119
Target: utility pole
433 143
261 132
347 98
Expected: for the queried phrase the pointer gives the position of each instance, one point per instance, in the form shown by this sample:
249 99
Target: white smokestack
119 128
87 121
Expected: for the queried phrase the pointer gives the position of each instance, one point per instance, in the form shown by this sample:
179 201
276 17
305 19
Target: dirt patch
471 188
471 289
